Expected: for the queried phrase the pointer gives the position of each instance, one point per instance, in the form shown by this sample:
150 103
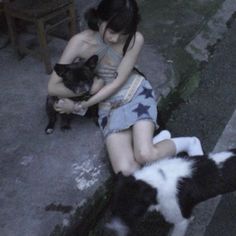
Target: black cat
78 77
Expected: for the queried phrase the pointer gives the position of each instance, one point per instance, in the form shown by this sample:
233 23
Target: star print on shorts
104 122
141 109
147 92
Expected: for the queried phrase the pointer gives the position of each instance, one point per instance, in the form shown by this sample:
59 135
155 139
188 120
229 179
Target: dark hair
120 15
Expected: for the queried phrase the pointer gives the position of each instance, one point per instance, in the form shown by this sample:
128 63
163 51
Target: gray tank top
109 60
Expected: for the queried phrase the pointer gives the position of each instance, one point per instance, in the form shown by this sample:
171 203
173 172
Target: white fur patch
165 181
118 226
220 156
154 208
172 169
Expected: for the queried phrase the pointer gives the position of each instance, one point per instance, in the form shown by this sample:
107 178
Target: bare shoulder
137 42
86 34
83 38
139 38
78 46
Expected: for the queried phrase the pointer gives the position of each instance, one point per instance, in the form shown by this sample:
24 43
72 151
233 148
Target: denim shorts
142 106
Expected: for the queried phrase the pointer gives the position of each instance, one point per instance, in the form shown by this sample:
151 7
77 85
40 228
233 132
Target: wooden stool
45 15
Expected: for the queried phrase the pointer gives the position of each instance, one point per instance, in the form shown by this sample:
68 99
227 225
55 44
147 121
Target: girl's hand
84 104
64 105
80 108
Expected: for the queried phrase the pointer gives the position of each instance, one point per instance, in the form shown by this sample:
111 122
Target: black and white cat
173 186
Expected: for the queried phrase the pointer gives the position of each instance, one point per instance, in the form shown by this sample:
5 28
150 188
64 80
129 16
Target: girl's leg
120 150
145 151
164 134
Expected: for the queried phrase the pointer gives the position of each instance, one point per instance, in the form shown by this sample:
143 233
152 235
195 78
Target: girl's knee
143 155
126 168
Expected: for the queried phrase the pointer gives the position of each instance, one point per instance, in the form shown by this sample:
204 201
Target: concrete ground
55 184
210 114
46 178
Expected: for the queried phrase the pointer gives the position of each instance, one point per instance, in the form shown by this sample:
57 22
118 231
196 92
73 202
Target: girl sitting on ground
127 103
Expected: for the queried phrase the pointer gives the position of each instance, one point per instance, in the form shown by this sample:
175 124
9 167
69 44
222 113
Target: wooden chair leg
73 20
43 46
12 33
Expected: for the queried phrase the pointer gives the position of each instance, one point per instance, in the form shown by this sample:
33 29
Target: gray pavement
204 212
39 170
51 184
210 114
43 174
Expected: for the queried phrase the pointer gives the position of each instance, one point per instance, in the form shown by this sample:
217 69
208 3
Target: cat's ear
92 62
60 69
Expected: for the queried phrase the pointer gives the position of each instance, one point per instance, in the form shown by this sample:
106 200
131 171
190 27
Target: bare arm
124 70
97 85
